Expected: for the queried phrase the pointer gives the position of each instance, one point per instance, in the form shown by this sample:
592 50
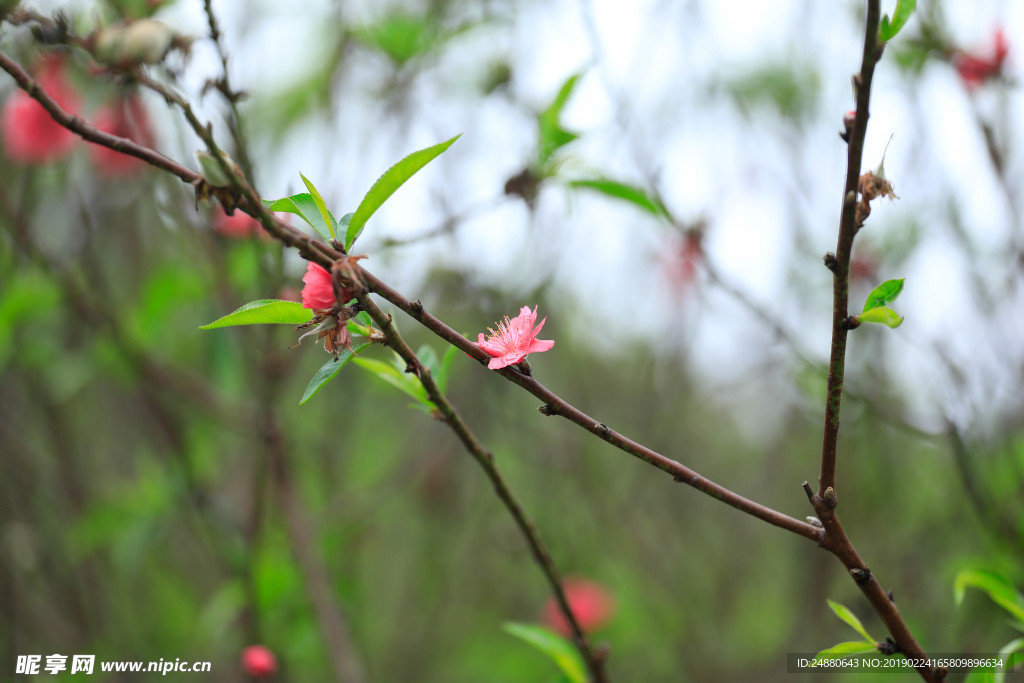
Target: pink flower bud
318 292
258 661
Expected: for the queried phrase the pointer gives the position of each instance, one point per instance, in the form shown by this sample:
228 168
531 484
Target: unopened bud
213 171
145 41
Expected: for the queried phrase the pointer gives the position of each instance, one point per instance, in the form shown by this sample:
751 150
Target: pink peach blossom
29 133
127 118
318 292
514 339
239 226
590 603
975 69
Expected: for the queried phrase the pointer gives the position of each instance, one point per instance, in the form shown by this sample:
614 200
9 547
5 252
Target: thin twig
595 661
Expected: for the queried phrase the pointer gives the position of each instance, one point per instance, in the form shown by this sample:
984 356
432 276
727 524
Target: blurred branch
78 126
348 668
595 661
232 96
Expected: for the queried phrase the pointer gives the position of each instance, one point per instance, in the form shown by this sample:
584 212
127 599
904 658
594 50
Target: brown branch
832 536
594 660
825 500
92 134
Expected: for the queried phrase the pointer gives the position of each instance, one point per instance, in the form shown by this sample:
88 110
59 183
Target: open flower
514 339
318 292
590 603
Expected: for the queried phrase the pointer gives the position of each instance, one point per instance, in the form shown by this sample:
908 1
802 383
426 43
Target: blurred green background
164 495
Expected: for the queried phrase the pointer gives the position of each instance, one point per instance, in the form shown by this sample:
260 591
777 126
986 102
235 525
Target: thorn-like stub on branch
831 262
809 492
548 409
889 647
855 83
830 497
889 595
861 576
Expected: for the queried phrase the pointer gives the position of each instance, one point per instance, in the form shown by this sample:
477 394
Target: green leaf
362 324
560 650
325 215
849 648
888 29
405 382
627 193
264 312
998 588
552 135
844 613
386 185
883 315
327 372
1011 656
305 207
883 294
446 367
980 676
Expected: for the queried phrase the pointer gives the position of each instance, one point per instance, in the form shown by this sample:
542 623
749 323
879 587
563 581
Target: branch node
830 497
889 595
861 576
601 429
851 323
809 492
889 647
831 262
814 521
548 409
416 307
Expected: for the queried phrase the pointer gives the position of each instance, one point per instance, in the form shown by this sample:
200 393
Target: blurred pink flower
259 662
590 603
127 118
975 69
239 226
318 292
30 135
514 339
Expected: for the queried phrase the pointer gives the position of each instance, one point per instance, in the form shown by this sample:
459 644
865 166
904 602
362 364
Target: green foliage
844 613
888 29
394 374
329 371
848 648
995 585
308 208
875 309
391 180
791 90
552 136
404 37
560 650
325 216
263 312
627 193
